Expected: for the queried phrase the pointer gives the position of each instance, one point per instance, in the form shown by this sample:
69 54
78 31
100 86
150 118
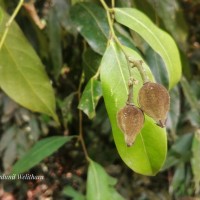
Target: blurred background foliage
66 56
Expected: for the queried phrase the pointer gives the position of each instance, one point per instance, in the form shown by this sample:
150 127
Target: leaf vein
96 181
120 69
29 84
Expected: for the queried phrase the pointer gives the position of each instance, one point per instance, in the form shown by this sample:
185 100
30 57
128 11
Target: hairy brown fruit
130 120
154 100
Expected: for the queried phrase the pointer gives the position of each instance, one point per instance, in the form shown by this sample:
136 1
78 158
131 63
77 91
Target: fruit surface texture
154 101
130 120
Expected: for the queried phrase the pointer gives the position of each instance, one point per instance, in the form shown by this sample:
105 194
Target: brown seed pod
154 100
130 120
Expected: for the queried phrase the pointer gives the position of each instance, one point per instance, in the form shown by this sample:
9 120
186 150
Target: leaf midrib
92 94
146 152
97 185
119 65
37 150
28 83
49 143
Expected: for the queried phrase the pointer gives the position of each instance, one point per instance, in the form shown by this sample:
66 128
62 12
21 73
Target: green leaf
66 108
115 195
195 161
171 161
7 137
54 33
193 116
174 112
38 152
22 75
148 153
124 37
91 62
1 15
178 180
189 94
90 97
183 144
89 19
157 66
99 184
71 192
10 155
160 41
179 151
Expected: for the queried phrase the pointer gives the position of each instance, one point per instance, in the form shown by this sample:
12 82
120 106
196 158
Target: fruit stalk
142 71
130 92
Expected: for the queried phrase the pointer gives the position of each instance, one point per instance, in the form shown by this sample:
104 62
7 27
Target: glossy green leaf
22 75
54 33
148 153
90 97
160 41
99 184
71 192
89 19
195 161
91 63
38 152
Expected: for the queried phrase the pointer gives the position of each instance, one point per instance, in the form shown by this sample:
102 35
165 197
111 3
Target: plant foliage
69 77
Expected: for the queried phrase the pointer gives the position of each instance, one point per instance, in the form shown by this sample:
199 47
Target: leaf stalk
8 24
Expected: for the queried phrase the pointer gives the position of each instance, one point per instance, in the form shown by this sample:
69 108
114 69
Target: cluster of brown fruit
154 101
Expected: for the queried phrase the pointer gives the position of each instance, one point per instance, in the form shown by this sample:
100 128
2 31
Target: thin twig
10 22
104 5
30 8
140 68
110 22
142 72
80 137
97 73
136 63
113 3
130 93
112 6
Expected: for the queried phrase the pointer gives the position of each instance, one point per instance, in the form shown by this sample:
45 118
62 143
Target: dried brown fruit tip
130 120
154 100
